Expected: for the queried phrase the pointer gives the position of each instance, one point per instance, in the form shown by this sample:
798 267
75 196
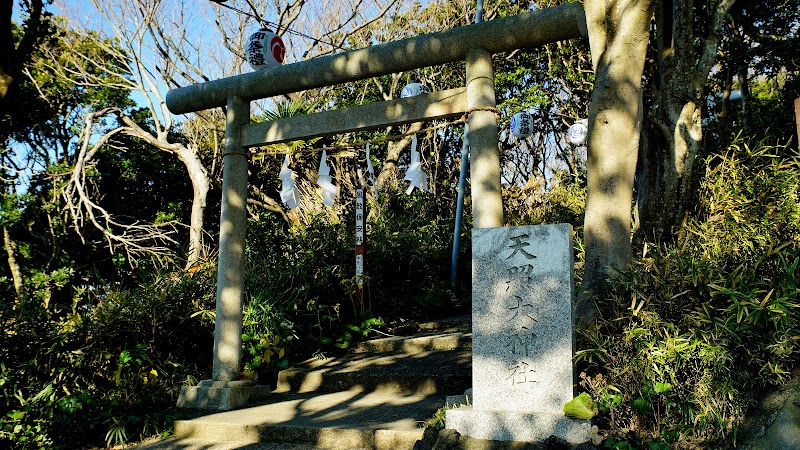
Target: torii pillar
226 391
487 200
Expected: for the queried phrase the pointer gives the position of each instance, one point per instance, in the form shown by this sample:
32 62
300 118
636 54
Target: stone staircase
375 398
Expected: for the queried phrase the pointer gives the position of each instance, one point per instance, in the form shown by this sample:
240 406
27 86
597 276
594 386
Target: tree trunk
197 174
16 272
200 186
389 171
666 177
618 38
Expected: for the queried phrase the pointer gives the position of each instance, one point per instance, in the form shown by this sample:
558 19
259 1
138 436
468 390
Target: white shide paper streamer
415 175
288 191
371 174
324 180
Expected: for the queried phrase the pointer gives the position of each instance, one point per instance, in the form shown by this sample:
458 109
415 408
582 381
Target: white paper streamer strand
324 180
371 180
288 191
415 175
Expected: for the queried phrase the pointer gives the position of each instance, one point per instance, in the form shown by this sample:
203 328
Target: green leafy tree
691 41
18 45
39 140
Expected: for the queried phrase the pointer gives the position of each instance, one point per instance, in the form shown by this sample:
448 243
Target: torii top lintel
521 31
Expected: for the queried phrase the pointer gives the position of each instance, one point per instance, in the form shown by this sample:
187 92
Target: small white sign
359 217
360 270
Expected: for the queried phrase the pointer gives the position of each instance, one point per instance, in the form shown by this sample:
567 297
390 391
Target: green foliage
562 202
694 330
300 278
45 108
437 421
352 333
107 370
624 444
581 407
411 238
264 351
11 207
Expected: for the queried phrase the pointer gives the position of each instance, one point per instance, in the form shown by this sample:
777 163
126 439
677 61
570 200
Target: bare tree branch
135 239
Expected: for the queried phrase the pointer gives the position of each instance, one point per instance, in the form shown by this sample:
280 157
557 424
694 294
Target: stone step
373 400
448 325
417 344
422 373
198 444
345 420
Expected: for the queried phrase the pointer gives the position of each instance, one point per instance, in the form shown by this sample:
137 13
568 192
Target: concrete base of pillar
516 426
222 395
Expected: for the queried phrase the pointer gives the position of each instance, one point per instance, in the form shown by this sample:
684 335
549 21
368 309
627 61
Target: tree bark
618 38
200 186
13 58
666 177
16 271
390 171
197 174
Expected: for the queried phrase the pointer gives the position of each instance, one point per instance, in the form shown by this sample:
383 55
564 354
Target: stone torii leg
232 232
225 390
487 200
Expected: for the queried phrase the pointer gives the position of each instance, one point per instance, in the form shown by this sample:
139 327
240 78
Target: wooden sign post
360 246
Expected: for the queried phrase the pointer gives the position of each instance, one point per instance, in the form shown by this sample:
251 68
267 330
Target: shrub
694 329
107 371
301 277
409 252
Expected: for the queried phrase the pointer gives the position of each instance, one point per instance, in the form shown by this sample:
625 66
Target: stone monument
523 344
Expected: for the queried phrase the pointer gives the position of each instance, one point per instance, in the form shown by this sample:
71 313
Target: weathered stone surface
515 426
775 423
522 318
784 433
449 439
417 344
428 372
522 324
347 420
221 395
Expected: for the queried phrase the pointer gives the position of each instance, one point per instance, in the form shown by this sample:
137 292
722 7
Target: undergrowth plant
106 371
695 329
301 276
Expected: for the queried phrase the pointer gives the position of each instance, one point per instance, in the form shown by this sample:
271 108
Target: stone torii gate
474 44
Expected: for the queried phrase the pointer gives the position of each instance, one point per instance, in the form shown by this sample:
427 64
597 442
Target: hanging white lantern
414 89
265 50
576 134
522 124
